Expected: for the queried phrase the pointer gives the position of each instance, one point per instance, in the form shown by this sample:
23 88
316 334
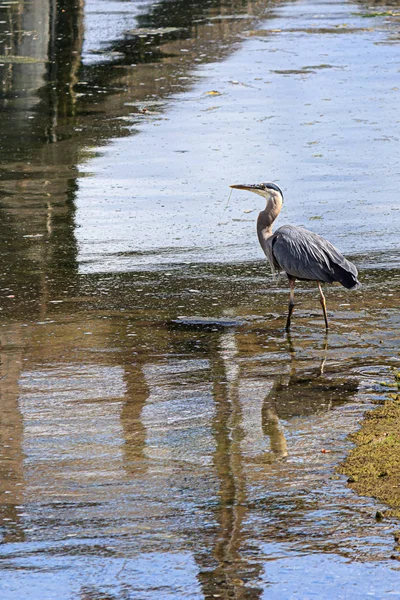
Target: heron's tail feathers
345 273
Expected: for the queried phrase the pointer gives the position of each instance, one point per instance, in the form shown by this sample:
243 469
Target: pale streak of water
315 111
146 458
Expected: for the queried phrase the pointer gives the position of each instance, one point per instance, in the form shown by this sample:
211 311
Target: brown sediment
373 465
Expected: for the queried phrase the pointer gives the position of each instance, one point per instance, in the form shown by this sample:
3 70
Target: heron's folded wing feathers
306 255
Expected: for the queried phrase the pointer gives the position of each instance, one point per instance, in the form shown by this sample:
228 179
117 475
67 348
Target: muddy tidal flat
161 436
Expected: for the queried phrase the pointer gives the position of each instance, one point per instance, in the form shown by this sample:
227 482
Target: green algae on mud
373 465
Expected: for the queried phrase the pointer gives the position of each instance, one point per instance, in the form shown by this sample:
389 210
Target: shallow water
161 437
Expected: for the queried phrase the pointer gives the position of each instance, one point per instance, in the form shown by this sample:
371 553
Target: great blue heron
300 253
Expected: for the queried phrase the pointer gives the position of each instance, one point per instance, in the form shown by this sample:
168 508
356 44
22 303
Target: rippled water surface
161 437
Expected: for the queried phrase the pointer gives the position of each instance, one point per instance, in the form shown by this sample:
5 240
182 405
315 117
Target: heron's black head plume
270 186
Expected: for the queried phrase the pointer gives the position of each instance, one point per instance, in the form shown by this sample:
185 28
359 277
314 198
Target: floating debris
144 31
388 13
23 60
206 323
107 53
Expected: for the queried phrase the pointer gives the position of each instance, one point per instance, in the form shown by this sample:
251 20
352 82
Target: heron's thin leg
325 354
291 302
323 304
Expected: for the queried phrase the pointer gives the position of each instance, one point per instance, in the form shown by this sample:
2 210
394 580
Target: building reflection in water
11 435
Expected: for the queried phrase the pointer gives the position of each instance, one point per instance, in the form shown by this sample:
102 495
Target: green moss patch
373 465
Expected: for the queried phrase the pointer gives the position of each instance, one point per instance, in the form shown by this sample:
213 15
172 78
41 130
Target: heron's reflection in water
273 429
304 390
283 395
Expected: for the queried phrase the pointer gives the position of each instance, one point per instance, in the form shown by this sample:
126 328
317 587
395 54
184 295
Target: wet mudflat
161 436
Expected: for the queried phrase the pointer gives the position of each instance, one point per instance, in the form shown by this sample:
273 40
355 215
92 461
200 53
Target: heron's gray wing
306 255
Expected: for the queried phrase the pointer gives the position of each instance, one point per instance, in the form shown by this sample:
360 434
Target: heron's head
267 190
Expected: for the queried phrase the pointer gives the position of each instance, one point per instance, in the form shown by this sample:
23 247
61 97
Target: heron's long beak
245 186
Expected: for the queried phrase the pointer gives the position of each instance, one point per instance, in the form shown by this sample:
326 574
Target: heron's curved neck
267 217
